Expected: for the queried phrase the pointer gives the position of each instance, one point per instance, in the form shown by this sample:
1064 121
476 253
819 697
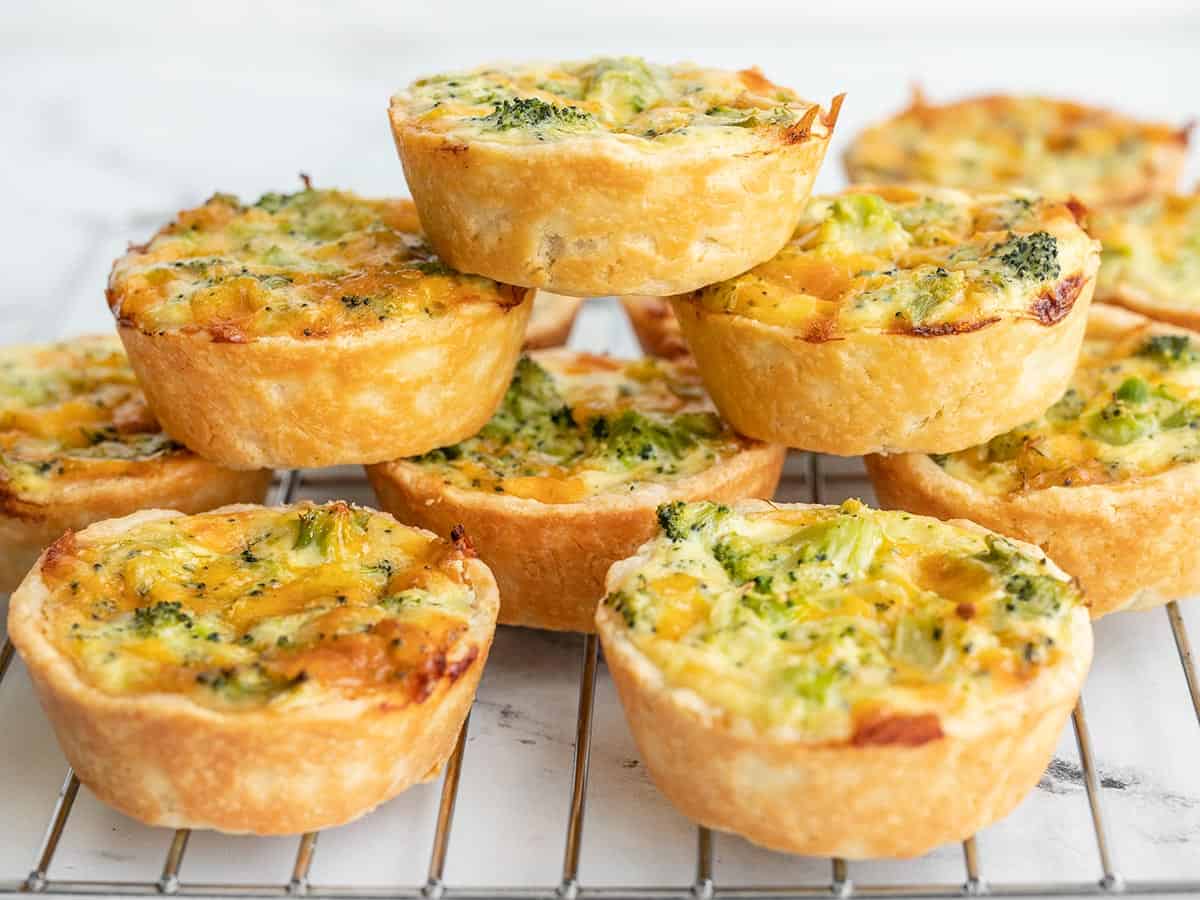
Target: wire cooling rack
807 477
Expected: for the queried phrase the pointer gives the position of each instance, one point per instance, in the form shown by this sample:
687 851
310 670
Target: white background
113 115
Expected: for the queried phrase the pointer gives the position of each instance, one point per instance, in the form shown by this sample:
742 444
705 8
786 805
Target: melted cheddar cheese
261 606
1151 251
1000 142
573 425
833 623
306 265
72 411
906 261
625 97
1132 410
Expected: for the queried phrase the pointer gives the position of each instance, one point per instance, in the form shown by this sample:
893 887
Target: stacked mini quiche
823 680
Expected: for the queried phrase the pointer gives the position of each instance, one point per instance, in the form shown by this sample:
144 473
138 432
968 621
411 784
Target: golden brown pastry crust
1140 301
550 559
552 319
655 326
592 218
183 481
401 389
871 392
1131 544
167 761
850 800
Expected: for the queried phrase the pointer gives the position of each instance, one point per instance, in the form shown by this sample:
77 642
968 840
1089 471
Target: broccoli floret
530 112
1067 408
1029 257
1119 424
932 290
313 526
633 437
678 519
149 619
1029 593
1170 350
1133 390
273 202
625 85
866 220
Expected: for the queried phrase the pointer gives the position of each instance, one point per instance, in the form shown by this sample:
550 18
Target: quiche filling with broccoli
625 96
840 623
574 425
262 606
925 263
999 142
1151 250
312 264
1133 409
72 411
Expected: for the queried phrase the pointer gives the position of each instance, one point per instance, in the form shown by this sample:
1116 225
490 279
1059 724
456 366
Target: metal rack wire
808 482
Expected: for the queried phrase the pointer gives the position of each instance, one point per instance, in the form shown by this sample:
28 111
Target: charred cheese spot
573 425
998 143
1151 250
70 412
624 96
1132 410
841 623
924 263
263 606
308 265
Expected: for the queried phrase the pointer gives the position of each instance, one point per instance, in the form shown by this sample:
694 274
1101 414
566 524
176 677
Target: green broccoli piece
1029 257
530 112
1170 350
678 519
624 84
148 620
1067 408
1133 390
1119 424
867 220
1029 593
313 526
633 437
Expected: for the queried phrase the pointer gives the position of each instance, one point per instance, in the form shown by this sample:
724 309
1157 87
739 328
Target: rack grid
806 477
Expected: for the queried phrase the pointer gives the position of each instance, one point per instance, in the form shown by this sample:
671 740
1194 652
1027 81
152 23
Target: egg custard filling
623 96
312 264
1001 142
574 426
925 262
1152 250
840 623
1132 410
255 607
69 412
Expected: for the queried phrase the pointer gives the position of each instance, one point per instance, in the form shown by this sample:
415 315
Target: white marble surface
113 115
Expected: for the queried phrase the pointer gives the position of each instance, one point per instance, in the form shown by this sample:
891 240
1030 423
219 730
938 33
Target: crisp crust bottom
636 222
188 483
551 326
167 761
873 392
854 801
655 326
401 389
1132 545
550 559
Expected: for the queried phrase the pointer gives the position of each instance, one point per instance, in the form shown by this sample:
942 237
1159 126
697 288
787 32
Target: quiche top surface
1151 251
313 264
1000 142
835 624
69 412
573 426
1132 410
626 97
915 261
256 607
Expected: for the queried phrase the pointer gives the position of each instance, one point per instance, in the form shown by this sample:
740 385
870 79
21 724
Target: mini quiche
551 321
312 329
1107 480
77 444
899 318
655 326
608 176
839 681
1000 142
1150 261
254 669
566 477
